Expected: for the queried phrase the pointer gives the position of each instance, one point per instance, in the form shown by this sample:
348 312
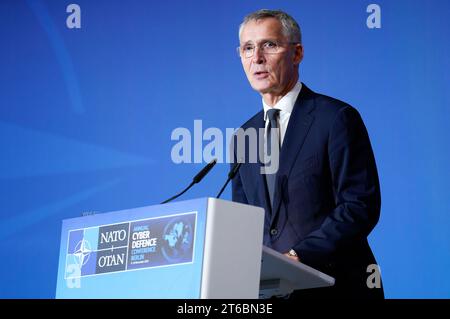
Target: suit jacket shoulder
326 106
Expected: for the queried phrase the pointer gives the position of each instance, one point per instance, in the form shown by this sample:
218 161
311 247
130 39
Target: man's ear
298 54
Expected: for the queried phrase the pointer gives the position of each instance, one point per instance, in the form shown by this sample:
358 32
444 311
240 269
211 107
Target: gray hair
291 29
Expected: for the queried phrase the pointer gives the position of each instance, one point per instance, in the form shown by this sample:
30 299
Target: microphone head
234 170
204 171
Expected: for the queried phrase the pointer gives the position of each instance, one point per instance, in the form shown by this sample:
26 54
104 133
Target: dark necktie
272 133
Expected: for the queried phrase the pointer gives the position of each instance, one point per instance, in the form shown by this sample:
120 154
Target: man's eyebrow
248 42
260 41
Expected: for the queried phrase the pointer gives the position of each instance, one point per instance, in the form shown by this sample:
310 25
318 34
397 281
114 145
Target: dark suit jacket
327 194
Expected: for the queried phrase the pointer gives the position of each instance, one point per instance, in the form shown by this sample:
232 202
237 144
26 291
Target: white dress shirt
285 105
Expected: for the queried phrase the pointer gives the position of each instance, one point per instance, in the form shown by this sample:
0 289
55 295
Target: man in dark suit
324 199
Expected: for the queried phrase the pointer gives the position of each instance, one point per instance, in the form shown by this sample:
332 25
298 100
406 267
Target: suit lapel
297 130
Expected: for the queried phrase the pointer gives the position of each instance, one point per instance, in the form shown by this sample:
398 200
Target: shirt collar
286 104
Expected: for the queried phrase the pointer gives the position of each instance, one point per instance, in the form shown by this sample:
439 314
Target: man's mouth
261 74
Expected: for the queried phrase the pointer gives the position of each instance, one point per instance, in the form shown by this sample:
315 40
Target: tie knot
272 114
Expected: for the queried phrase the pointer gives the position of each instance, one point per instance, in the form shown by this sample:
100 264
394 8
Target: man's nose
258 56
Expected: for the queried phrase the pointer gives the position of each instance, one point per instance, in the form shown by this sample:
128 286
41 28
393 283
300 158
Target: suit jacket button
274 232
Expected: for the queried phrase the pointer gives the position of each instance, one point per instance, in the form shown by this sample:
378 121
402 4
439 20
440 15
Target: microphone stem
178 195
223 188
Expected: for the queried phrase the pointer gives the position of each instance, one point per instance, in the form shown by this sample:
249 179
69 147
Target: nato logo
81 252
177 240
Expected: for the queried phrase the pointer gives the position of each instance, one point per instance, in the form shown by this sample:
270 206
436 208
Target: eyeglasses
267 47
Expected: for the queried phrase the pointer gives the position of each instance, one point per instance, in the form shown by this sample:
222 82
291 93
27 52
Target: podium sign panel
149 252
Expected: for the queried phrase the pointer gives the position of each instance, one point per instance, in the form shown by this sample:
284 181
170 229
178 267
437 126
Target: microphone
231 175
197 178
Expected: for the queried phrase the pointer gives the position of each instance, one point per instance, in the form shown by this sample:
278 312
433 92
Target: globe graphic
177 241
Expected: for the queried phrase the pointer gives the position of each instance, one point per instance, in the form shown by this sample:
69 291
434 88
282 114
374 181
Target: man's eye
270 44
248 48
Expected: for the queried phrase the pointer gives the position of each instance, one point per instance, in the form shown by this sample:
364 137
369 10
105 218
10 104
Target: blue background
86 117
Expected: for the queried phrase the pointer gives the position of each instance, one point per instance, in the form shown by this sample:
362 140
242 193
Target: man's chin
261 87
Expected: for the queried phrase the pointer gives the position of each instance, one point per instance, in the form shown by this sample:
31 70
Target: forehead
257 30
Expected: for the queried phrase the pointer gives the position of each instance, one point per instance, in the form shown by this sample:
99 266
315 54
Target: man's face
270 73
